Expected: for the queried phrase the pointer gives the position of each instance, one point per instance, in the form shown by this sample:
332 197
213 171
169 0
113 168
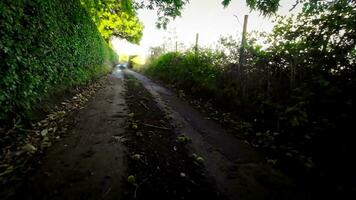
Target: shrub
301 89
194 72
45 44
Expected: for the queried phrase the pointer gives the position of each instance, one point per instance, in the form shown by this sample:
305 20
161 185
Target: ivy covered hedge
46 44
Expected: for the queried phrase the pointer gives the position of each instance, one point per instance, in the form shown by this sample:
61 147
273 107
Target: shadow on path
89 163
239 171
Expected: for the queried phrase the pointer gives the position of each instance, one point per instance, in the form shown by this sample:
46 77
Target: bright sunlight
208 18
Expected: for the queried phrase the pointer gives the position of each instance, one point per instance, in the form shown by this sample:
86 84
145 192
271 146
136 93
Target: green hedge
195 72
46 44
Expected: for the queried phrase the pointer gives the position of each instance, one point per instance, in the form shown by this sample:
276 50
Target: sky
206 17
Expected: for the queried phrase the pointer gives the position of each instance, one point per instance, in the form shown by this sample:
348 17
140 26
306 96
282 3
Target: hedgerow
297 95
196 71
44 45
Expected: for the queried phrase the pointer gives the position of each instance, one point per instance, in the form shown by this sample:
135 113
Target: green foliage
196 71
166 9
301 87
46 44
269 7
118 17
230 48
115 18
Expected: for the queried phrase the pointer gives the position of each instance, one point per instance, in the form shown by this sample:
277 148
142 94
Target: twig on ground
144 105
158 127
15 126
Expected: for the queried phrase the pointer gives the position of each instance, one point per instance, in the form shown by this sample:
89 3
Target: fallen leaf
29 148
131 179
44 132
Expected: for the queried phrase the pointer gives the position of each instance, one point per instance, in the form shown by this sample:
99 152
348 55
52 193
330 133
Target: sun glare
207 18
125 49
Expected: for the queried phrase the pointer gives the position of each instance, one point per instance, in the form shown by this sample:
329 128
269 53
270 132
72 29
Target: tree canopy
269 7
115 18
118 18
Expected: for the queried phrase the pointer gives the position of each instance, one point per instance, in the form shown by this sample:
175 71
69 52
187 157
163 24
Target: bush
194 72
45 44
298 94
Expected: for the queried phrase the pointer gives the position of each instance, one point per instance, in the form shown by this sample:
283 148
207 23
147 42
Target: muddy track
239 171
137 140
159 160
88 163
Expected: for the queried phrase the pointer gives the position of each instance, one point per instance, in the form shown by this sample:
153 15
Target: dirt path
132 141
160 164
89 163
239 171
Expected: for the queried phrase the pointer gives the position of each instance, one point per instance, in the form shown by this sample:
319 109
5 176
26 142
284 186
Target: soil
165 169
89 163
137 140
239 171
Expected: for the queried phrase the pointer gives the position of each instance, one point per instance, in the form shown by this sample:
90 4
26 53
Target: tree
170 9
166 9
115 18
119 18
